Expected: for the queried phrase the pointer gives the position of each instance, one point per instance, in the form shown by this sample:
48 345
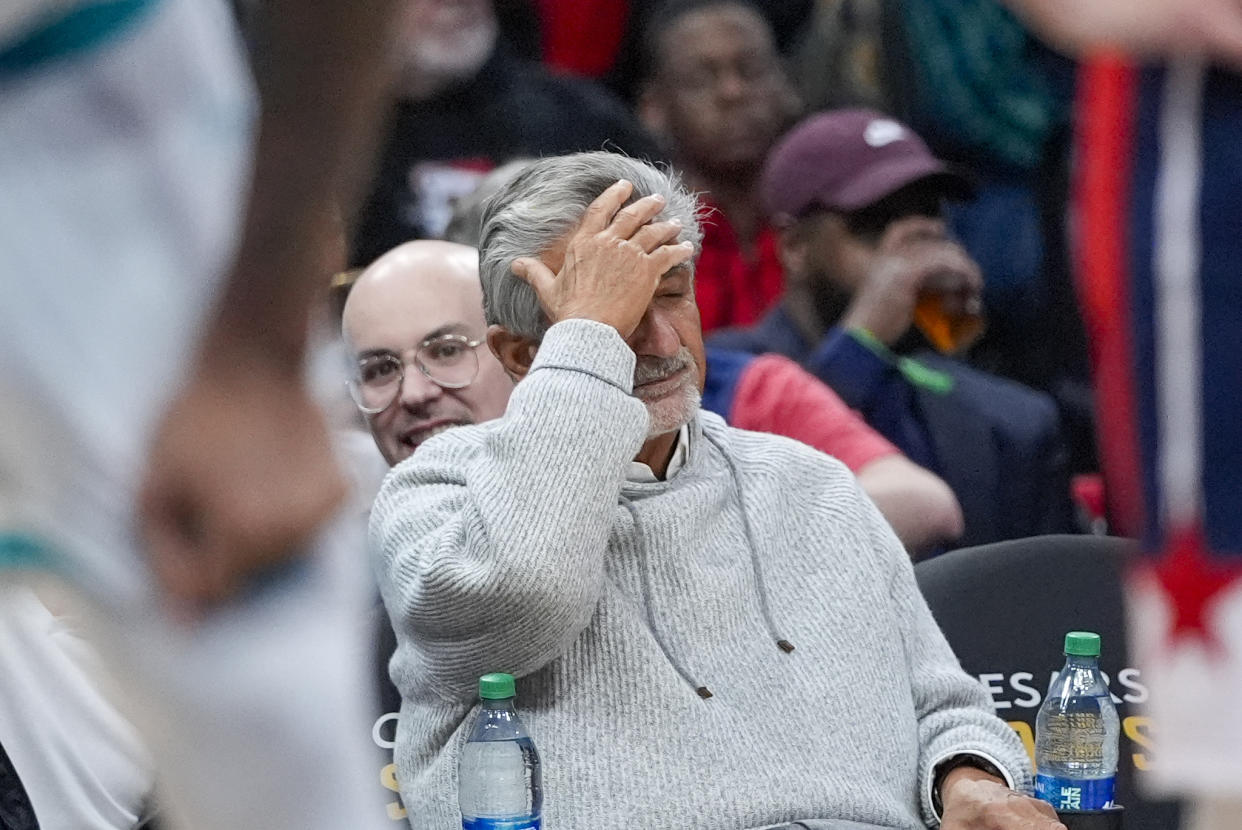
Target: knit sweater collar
696 449
640 473
684 464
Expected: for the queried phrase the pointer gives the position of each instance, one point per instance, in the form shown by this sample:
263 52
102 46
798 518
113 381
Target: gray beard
670 414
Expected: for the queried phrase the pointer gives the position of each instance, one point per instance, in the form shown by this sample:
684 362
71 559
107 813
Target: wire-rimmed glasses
449 360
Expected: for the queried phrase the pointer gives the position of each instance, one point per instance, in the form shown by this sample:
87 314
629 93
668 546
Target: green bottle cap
497 686
1082 644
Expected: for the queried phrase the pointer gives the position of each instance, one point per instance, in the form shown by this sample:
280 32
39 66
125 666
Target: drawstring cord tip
785 646
703 692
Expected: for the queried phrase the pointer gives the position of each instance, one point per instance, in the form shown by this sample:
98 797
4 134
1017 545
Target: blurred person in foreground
1157 218
161 453
714 93
858 198
465 103
68 756
770 393
655 578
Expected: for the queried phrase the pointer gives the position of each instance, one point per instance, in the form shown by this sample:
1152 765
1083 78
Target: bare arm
240 472
917 503
322 69
1150 29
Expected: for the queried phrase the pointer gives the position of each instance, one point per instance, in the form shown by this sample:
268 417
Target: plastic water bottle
1077 732
499 786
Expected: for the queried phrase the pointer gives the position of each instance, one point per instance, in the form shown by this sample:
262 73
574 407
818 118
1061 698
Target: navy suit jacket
995 442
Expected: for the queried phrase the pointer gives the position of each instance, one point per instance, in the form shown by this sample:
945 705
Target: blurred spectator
859 199
770 393
988 96
602 38
414 327
970 79
1157 216
80 762
467 103
716 96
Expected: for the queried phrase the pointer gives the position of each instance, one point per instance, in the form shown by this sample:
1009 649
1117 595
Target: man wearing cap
872 278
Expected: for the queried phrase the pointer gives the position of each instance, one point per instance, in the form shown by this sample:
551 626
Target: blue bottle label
518 823
1075 793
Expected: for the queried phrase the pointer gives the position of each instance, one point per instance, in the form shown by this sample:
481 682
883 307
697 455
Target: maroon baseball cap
845 160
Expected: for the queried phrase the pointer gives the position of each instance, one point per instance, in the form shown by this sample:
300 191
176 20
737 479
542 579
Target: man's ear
514 351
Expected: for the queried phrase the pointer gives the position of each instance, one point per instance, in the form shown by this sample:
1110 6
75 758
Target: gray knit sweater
518 546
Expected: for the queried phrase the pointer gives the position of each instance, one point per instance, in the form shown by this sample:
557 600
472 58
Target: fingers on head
671 255
654 234
634 216
605 206
532 272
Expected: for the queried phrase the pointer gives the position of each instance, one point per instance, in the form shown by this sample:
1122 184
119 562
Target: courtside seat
1005 608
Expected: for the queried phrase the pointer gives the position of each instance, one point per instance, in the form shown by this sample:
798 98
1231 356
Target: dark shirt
995 442
870 384
437 150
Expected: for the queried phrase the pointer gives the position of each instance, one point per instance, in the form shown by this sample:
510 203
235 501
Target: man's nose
732 86
655 335
417 389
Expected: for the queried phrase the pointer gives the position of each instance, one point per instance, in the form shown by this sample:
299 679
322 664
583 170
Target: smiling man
414 324
646 571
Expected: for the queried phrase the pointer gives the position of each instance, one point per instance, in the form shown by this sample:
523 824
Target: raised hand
611 264
241 475
1150 29
914 257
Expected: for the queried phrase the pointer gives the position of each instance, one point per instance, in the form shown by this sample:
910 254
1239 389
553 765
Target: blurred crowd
847 223
884 188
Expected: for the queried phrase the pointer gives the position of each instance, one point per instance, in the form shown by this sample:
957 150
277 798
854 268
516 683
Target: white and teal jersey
37 32
125 139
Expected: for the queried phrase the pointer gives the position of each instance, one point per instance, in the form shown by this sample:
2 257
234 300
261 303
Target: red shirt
776 395
582 37
732 290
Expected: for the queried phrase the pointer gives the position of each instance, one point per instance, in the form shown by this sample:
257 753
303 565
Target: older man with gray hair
646 571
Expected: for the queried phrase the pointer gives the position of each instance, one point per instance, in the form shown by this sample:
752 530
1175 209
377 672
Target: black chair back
16 811
1005 609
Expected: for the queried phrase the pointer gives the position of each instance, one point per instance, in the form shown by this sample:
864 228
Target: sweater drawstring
764 607
649 601
756 567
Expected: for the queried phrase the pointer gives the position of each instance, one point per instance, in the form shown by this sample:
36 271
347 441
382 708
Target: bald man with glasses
414 326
